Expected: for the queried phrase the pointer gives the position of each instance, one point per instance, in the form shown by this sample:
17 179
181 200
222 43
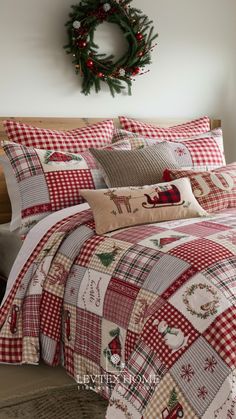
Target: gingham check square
221 335
75 141
64 187
11 350
186 130
88 250
50 315
205 152
136 263
88 335
201 253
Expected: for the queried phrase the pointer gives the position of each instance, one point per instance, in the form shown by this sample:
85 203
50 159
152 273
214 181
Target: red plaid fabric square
31 316
215 190
75 141
222 274
119 302
88 335
69 360
136 234
186 130
88 250
130 343
159 327
50 315
221 335
136 263
204 152
24 161
201 253
64 187
143 363
11 350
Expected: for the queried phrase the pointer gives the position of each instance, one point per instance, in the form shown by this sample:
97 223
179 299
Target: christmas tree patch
107 258
59 157
164 241
174 409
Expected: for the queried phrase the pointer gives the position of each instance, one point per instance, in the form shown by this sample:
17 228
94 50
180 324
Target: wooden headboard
70 123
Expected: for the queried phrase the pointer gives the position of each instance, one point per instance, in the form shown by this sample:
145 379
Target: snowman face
162 326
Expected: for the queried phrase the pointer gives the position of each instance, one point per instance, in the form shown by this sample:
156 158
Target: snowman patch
174 338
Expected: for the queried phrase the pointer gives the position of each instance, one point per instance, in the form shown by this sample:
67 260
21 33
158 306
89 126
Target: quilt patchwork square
222 274
221 335
135 265
199 373
136 234
88 335
119 301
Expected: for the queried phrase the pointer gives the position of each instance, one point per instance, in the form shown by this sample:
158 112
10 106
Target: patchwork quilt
146 315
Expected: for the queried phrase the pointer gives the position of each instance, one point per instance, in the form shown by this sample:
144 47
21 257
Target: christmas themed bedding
146 315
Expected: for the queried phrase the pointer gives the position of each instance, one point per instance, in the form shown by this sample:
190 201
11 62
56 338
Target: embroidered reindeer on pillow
119 201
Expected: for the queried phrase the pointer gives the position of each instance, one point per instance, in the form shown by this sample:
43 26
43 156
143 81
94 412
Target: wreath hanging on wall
96 68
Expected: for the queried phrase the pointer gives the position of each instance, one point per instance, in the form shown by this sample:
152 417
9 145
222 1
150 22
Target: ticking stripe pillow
135 167
74 141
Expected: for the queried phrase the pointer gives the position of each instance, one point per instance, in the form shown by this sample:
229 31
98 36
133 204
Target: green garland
96 68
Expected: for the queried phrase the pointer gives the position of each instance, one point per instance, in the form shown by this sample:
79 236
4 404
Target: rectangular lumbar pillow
122 207
44 181
75 140
135 167
195 127
214 190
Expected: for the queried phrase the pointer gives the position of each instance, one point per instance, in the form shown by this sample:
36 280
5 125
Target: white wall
193 71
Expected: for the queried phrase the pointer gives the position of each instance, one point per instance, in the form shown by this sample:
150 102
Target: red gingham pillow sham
186 130
215 190
50 180
74 141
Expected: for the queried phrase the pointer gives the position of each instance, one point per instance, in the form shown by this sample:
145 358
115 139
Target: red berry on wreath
135 71
100 75
140 53
82 44
89 63
139 36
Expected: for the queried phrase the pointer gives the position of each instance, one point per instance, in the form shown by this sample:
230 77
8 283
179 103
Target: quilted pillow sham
74 141
203 152
215 190
47 181
195 127
134 167
122 207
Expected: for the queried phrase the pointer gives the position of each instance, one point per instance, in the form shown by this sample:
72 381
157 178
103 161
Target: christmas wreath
95 67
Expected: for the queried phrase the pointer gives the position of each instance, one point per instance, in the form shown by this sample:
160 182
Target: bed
145 315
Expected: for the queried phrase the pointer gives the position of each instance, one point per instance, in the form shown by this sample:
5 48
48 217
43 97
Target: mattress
10 244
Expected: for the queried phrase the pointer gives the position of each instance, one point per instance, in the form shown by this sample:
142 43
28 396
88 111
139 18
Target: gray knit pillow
135 167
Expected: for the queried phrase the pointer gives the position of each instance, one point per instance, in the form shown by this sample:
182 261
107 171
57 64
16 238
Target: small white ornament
122 72
76 24
115 359
106 7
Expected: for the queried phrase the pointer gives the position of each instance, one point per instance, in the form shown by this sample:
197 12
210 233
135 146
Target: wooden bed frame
71 123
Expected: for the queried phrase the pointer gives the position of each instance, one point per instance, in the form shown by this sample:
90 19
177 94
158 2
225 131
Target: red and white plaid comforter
148 312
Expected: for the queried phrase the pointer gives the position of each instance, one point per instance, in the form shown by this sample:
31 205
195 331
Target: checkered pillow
198 126
215 190
49 180
202 152
74 141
